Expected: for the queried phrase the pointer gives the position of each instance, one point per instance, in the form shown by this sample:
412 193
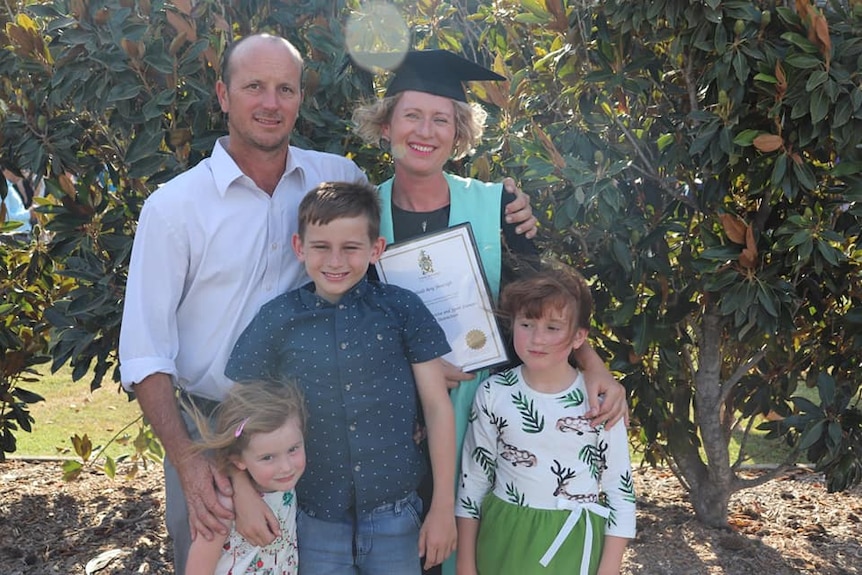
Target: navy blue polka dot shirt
352 360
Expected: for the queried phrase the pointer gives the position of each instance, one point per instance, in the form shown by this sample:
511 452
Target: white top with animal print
534 449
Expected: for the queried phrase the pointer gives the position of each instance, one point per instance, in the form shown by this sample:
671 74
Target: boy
360 351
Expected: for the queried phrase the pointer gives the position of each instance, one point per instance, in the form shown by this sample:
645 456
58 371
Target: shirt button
274 246
347 387
342 306
343 345
352 427
357 468
379 337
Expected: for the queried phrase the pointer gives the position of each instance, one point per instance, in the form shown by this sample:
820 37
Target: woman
424 119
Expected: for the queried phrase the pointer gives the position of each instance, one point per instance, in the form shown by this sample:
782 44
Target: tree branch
728 385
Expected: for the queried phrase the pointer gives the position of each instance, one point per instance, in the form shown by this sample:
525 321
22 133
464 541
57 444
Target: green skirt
513 539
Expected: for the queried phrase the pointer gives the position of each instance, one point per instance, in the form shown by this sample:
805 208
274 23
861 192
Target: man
212 245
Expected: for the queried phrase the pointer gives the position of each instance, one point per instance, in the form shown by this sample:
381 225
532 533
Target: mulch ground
97 525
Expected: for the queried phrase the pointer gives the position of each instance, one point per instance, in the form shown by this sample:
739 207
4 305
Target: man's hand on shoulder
199 478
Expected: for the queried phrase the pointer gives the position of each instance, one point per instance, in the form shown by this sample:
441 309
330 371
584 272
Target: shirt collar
226 171
311 300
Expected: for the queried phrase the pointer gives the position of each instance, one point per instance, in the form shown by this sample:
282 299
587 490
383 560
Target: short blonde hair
370 118
250 407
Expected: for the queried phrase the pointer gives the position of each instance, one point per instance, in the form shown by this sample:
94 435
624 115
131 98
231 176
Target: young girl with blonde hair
258 428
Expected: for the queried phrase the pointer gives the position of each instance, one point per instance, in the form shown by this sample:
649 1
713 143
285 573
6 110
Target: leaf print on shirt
486 461
627 486
507 378
471 507
533 421
574 398
514 496
594 457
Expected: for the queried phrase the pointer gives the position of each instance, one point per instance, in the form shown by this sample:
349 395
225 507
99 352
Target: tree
700 161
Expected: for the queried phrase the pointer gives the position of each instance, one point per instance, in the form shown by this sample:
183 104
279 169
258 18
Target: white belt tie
577 509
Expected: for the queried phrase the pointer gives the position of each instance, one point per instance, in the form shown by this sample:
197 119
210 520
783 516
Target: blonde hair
250 407
369 119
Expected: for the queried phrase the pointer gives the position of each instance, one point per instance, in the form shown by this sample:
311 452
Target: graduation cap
437 72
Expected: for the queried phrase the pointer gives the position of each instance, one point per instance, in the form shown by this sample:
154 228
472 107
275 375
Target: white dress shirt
210 249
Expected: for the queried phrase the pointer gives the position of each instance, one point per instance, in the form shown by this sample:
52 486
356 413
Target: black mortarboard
438 72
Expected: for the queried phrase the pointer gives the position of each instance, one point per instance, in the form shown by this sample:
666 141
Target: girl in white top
257 428
541 490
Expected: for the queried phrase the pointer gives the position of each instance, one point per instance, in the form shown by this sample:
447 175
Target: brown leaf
556 158
561 21
768 142
131 48
821 34
748 257
803 7
25 40
211 58
781 84
497 93
734 228
68 186
182 25
184 6
219 23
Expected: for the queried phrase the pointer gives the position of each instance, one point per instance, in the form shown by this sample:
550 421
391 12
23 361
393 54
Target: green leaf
811 435
846 168
110 467
803 61
768 78
819 105
826 388
816 79
800 42
665 140
72 470
804 175
124 92
746 137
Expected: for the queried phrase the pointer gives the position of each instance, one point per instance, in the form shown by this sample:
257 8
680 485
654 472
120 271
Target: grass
71 408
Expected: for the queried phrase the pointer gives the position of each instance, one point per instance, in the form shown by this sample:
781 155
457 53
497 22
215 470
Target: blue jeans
385 541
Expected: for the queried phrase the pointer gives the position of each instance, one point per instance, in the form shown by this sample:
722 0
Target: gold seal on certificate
444 270
475 339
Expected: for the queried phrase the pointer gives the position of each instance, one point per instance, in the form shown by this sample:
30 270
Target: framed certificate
444 270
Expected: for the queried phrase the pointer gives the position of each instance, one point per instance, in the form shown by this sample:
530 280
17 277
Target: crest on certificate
426 264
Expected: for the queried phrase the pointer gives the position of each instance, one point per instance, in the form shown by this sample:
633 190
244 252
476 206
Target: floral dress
280 557
545 485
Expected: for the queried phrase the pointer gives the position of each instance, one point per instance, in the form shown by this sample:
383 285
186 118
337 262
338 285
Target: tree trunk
712 482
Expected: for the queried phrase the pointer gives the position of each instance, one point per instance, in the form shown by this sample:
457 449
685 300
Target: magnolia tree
701 163
698 161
